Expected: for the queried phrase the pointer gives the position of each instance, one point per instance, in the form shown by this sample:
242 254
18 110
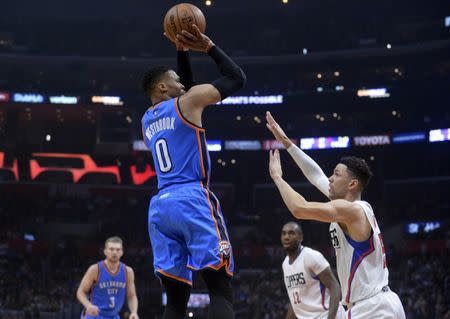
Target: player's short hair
114 239
358 168
298 227
152 76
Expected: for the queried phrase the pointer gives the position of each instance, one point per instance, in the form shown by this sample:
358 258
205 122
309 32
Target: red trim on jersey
355 267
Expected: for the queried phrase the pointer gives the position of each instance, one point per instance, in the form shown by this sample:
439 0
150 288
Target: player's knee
219 284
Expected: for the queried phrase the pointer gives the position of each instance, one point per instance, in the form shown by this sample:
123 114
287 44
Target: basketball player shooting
186 226
356 237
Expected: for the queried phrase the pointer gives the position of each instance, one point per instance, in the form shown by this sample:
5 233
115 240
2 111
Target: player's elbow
236 81
241 79
335 289
299 211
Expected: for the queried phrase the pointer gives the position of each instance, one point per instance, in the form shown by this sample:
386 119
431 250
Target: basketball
181 17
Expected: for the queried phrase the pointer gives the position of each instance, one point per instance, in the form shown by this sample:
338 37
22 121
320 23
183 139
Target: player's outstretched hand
277 131
275 165
93 311
133 315
196 41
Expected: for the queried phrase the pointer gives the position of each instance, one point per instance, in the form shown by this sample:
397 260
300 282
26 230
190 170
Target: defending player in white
314 292
356 237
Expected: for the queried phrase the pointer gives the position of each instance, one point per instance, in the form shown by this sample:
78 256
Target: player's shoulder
285 261
311 253
94 269
129 270
364 205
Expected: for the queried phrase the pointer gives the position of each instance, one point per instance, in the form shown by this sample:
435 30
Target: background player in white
356 237
313 290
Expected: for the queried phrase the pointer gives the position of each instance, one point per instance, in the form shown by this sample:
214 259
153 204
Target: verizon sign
372 140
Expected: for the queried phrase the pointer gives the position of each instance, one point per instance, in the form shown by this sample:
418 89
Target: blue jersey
178 147
109 291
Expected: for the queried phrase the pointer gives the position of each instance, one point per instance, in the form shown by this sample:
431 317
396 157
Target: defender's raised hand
277 131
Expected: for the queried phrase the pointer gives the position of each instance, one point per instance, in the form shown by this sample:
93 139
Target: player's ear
162 87
354 183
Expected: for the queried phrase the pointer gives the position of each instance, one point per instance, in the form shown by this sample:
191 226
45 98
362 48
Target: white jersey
361 266
308 296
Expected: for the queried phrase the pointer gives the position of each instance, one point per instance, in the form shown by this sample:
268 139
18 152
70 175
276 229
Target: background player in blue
108 282
186 226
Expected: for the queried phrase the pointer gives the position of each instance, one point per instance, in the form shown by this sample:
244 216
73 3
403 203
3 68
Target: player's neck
352 197
294 254
158 99
112 266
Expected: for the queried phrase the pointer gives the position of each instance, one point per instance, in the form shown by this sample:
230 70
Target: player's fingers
189 35
277 155
197 30
184 40
269 117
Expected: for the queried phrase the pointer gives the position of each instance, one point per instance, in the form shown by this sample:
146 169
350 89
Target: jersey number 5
162 153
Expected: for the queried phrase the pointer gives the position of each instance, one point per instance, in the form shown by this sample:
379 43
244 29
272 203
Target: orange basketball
181 17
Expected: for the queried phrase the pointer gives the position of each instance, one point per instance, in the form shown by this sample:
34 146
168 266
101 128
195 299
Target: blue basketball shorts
187 232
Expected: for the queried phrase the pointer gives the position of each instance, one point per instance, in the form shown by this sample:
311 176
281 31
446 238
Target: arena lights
275 145
253 99
447 21
208 2
243 145
439 135
422 227
62 99
107 100
4 97
314 143
214 145
28 98
408 137
372 140
139 145
373 93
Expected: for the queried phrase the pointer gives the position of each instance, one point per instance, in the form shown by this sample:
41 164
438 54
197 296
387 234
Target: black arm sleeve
233 77
184 69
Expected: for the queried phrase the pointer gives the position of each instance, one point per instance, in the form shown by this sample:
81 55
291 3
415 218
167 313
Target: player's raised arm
232 79
308 166
131 294
85 287
184 68
340 211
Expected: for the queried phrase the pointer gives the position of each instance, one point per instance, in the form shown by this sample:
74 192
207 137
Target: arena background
366 79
